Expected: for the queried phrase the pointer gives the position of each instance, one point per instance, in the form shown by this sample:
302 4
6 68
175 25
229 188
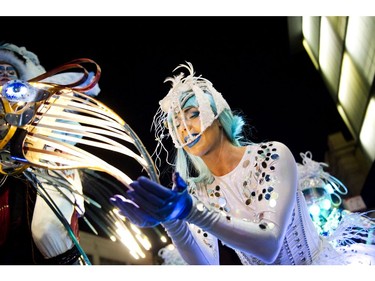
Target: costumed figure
229 192
51 129
48 233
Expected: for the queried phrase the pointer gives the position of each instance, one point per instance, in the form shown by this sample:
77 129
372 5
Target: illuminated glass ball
319 202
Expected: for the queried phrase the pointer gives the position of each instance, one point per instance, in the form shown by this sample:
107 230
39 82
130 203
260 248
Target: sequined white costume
258 210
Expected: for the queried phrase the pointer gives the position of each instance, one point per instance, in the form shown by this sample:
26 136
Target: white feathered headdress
25 62
183 88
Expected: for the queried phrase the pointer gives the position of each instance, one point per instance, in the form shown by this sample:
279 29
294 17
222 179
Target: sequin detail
258 173
218 202
264 165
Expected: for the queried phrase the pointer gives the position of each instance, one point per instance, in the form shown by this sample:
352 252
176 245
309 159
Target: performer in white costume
230 191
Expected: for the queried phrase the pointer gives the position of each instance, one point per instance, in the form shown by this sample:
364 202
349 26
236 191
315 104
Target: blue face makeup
189 111
190 145
7 70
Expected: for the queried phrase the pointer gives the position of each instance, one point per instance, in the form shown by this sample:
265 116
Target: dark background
248 59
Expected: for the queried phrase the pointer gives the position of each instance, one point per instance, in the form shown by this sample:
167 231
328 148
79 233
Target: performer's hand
159 202
132 212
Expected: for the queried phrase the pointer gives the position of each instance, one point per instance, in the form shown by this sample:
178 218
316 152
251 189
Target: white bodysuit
258 210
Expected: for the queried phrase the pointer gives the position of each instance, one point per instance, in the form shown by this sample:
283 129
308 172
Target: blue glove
159 202
132 212
151 203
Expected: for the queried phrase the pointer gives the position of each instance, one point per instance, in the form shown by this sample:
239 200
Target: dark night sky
247 59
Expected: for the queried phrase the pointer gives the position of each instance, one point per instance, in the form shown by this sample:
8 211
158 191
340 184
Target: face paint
7 73
188 91
187 126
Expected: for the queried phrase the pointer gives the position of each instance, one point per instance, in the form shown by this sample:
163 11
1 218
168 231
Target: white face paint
7 73
188 92
186 126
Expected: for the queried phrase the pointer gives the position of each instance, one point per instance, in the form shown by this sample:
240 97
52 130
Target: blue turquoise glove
132 212
150 203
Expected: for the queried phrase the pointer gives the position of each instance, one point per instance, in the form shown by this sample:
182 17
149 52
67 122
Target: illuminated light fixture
163 239
353 93
135 228
367 134
127 238
330 55
343 49
310 53
322 193
360 45
161 236
310 31
135 255
117 212
346 120
144 241
171 247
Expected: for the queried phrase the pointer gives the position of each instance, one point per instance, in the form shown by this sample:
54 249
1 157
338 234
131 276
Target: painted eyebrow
186 110
190 108
8 68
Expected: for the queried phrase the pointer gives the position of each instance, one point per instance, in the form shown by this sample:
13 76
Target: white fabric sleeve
261 235
48 232
192 249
